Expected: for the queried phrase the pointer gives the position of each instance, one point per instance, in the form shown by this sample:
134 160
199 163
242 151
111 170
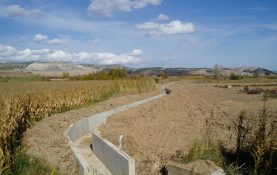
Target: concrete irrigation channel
96 155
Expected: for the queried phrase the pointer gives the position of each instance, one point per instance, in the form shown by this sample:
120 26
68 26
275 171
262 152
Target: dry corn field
21 104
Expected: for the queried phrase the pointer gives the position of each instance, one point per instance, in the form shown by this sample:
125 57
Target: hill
58 68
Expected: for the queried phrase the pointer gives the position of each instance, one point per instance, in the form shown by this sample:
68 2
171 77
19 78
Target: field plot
162 131
22 104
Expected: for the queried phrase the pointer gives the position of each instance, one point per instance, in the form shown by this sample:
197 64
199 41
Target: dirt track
154 132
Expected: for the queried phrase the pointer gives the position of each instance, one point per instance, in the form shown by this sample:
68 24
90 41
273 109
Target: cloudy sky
138 33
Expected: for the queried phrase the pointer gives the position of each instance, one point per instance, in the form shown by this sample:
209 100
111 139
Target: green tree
218 71
256 74
117 73
235 76
65 75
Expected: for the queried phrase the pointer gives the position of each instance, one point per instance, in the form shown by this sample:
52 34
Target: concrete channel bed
107 158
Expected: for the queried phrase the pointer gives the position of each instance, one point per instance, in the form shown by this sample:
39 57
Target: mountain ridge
56 68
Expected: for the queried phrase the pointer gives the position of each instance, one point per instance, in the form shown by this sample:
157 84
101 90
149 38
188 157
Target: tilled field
155 131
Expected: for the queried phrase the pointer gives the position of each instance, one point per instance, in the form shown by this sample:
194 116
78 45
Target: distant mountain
105 66
57 69
150 71
13 65
263 71
154 71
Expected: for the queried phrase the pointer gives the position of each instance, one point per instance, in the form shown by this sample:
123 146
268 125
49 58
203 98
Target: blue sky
139 33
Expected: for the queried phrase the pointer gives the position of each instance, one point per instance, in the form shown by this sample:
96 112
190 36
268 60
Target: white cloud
136 52
172 28
44 40
162 17
108 7
137 4
18 11
8 53
40 38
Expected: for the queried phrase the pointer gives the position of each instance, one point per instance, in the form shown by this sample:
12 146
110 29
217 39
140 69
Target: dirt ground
14 73
46 138
155 131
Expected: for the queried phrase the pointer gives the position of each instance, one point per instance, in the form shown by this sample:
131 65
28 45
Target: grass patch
202 150
20 79
27 165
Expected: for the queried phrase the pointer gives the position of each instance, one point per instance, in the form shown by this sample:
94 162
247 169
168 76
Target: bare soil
14 73
46 138
154 132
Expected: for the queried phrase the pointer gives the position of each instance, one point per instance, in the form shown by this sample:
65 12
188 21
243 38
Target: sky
141 33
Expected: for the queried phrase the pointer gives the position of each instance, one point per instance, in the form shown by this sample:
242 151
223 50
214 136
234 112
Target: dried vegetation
22 104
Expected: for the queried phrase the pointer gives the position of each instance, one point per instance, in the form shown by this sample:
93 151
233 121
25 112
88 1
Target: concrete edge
116 160
90 124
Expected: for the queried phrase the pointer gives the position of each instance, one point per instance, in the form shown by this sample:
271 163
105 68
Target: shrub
256 74
117 73
162 74
256 151
256 143
218 71
264 145
235 76
113 74
65 75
